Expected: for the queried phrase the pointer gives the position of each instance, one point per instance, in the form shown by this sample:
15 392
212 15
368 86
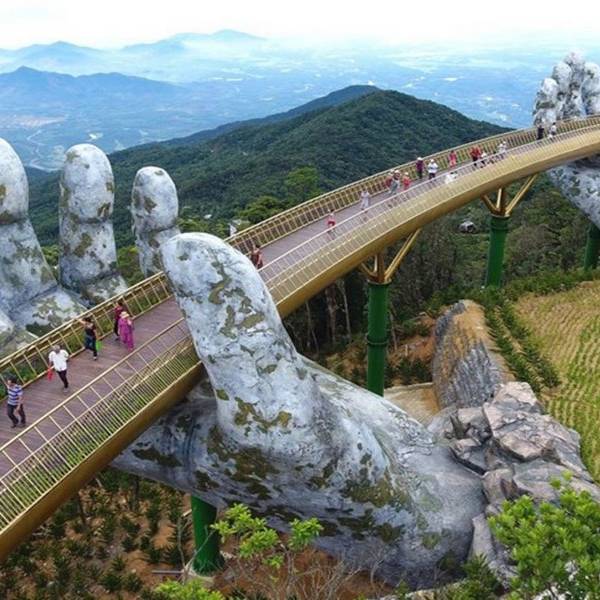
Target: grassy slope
567 326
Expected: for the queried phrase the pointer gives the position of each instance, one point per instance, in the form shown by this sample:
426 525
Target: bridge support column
377 336
207 558
592 248
498 232
379 278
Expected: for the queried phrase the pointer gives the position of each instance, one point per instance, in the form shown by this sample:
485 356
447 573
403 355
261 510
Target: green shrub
554 546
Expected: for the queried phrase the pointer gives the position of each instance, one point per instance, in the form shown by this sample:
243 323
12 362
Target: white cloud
117 22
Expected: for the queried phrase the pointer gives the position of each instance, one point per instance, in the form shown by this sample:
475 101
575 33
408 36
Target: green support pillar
207 558
592 247
377 336
498 231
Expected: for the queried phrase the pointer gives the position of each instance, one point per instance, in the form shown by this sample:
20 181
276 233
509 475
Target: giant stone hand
29 294
290 439
572 91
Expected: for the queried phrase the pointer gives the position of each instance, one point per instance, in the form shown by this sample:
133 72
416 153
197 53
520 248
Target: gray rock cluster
573 90
154 208
518 450
506 438
290 439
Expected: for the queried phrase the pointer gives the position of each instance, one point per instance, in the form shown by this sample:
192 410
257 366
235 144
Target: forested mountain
342 143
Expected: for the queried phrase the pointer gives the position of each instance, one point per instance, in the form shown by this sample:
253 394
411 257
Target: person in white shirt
365 200
57 359
432 168
553 130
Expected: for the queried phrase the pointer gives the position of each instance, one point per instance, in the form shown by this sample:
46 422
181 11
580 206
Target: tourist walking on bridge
90 340
14 402
406 181
331 223
365 200
256 257
553 130
119 309
540 131
452 159
432 169
475 154
126 330
419 165
57 360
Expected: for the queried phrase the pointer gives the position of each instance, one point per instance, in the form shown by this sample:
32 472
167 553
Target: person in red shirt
475 154
452 159
405 181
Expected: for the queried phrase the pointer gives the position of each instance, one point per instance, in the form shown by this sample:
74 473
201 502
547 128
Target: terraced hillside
567 326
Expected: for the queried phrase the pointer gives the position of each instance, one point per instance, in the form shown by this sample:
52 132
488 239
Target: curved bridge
117 397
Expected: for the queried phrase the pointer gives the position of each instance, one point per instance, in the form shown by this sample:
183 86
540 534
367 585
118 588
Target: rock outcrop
466 369
154 208
29 293
88 261
293 440
572 91
497 428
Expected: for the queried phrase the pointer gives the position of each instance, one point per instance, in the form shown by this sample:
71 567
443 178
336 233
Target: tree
302 184
262 208
556 547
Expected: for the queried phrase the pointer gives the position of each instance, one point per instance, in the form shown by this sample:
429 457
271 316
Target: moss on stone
388 533
221 394
382 493
204 483
155 456
149 204
2 192
430 540
247 414
84 244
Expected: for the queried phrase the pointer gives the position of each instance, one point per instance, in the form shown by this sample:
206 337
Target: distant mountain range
56 95
346 135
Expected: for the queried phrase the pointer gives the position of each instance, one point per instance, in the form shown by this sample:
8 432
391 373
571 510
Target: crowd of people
58 359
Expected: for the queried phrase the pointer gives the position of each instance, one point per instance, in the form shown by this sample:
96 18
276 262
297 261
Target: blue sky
109 23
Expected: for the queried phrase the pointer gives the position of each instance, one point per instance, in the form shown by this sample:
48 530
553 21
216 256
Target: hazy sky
117 22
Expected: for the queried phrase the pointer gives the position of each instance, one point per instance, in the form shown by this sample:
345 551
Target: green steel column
592 247
207 558
498 231
377 336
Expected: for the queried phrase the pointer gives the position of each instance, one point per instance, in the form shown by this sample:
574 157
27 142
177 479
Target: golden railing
305 269
308 212
41 456
31 362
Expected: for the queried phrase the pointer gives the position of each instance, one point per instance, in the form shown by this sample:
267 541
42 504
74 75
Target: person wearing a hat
419 165
126 329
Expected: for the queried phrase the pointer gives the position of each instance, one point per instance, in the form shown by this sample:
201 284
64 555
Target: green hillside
343 143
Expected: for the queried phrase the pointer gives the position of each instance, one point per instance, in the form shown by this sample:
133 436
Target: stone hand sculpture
289 439
154 209
573 90
29 294
88 261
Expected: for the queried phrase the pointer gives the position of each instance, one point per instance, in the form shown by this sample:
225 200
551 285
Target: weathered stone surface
485 545
88 261
11 336
470 453
522 432
466 370
26 281
154 208
573 91
498 485
291 439
533 478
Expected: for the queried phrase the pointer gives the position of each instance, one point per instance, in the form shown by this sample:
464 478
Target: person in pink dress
452 159
126 330
405 181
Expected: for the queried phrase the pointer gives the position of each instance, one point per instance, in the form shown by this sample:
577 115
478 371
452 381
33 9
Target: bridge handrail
31 362
90 416
312 210
282 274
